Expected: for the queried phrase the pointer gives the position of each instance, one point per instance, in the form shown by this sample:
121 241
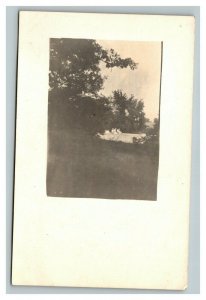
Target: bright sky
143 82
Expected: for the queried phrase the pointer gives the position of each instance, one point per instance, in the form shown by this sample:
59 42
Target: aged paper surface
90 242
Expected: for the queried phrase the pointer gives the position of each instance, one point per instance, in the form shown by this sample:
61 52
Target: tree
156 126
154 130
129 112
75 81
74 65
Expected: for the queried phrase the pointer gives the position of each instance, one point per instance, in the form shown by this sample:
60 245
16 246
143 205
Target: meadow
81 165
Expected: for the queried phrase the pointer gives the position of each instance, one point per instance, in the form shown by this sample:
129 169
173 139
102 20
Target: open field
80 165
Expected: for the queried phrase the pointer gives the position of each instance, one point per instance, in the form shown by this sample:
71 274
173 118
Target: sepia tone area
103 119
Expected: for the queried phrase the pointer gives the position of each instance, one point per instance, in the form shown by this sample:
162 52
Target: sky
143 82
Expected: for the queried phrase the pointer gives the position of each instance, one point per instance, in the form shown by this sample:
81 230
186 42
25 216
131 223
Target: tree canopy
129 112
74 65
75 77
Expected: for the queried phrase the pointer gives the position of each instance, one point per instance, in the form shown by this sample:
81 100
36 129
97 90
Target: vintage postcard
103 150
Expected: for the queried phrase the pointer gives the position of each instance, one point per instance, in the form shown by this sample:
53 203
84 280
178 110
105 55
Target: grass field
80 165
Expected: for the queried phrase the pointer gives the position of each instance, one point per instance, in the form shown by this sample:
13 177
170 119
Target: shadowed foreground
80 165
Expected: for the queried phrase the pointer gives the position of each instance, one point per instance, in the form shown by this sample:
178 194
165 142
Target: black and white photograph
103 118
103 151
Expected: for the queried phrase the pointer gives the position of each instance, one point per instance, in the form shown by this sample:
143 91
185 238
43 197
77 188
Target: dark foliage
129 112
75 81
74 65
